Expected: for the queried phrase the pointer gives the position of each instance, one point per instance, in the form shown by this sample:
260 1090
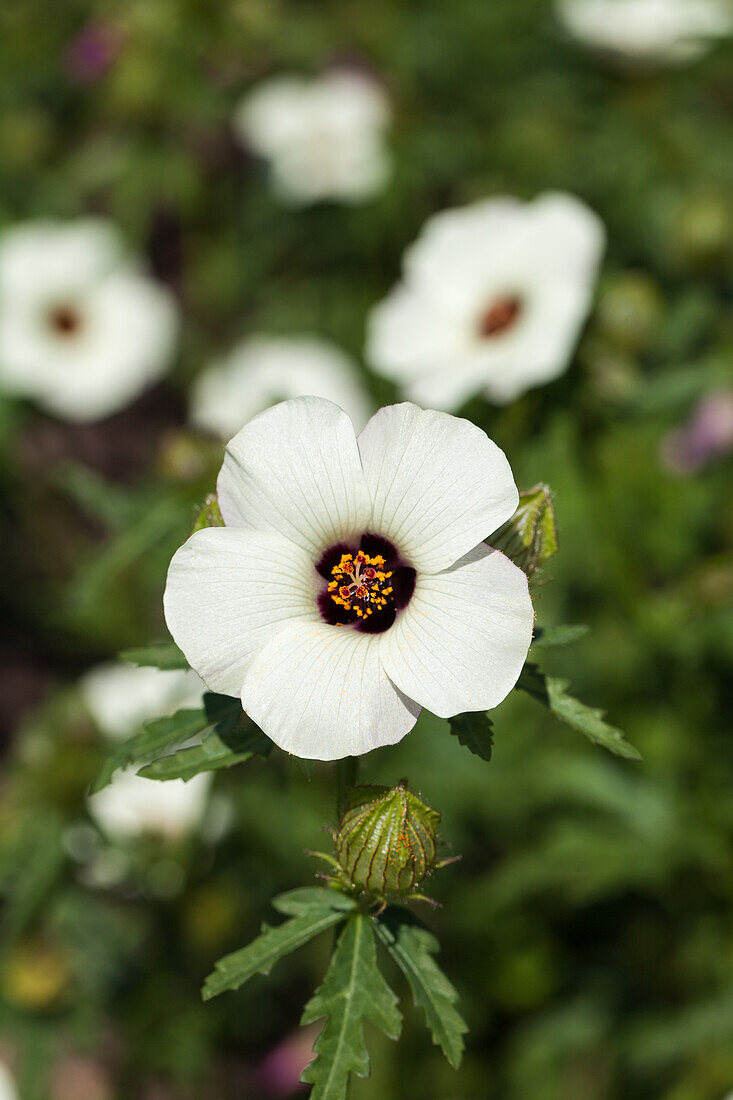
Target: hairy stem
346 772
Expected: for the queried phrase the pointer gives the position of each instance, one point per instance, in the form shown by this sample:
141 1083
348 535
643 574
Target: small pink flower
93 51
279 1072
707 435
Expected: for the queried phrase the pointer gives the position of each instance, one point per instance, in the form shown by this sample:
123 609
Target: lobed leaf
412 947
233 740
474 731
260 956
353 991
547 636
306 899
165 655
552 694
156 736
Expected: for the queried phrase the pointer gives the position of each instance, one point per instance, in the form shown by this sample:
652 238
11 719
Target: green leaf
305 899
587 720
156 736
474 731
29 867
529 538
259 956
412 947
353 991
547 636
213 754
233 740
164 655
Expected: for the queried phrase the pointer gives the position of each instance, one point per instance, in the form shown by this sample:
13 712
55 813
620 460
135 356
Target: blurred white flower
351 584
132 806
648 30
82 331
264 370
8 1090
324 137
120 697
492 300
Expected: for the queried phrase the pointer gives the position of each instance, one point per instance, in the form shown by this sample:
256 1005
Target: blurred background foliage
589 926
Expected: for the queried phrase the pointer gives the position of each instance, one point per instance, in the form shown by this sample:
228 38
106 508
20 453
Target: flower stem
346 771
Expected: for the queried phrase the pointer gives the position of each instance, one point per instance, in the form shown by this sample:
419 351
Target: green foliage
552 694
412 947
165 655
546 637
353 991
258 957
232 739
156 736
31 860
474 731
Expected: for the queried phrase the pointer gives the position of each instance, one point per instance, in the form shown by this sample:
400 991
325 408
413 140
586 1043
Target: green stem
346 771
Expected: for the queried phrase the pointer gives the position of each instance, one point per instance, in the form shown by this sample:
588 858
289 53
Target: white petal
438 484
266 369
228 593
295 469
121 697
461 642
132 805
321 693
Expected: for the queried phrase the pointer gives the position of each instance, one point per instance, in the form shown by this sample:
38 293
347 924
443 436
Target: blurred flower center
365 585
64 320
501 315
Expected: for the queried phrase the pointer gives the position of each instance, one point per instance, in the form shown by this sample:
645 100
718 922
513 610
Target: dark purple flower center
64 320
499 316
365 585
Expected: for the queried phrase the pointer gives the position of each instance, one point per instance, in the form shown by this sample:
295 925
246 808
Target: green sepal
165 655
259 956
552 694
353 991
412 947
529 538
474 731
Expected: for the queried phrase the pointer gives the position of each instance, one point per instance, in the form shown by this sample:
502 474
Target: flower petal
438 484
295 470
228 592
461 642
320 692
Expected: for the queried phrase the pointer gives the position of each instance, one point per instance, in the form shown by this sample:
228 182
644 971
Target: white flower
493 298
8 1090
132 806
81 330
324 138
264 370
648 30
351 585
120 697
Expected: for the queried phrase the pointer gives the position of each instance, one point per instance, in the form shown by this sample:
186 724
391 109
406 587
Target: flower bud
529 538
210 514
386 842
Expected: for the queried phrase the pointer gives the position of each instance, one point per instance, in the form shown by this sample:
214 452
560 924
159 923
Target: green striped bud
386 842
529 538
